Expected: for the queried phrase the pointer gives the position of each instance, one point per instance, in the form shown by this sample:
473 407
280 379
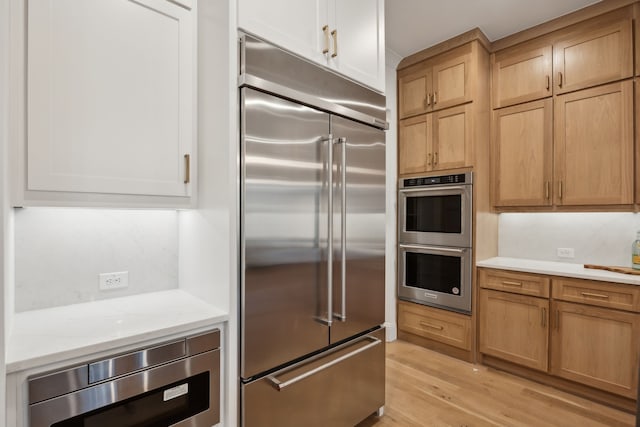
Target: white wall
392 61
4 206
597 237
61 251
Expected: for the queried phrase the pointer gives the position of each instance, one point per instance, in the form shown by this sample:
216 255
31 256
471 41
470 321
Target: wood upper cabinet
596 346
435 141
521 74
515 328
594 146
522 152
594 53
435 84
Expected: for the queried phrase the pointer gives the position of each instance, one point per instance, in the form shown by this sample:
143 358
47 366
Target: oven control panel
462 178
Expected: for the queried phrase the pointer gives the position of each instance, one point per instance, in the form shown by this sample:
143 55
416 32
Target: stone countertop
51 335
558 269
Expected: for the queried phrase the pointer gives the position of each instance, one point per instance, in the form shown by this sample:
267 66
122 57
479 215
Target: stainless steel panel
126 363
342 394
359 236
203 342
46 413
57 383
284 223
273 69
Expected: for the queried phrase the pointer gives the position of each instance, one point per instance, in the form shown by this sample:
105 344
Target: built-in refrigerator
312 226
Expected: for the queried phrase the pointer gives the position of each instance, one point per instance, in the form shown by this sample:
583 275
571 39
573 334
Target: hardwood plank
426 388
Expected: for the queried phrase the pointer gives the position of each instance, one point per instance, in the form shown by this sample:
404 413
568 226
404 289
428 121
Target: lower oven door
183 393
436 276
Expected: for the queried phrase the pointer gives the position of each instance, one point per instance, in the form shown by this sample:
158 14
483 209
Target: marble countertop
558 269
51 335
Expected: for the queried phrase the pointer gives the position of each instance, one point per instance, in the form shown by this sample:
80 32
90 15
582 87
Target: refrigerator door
284 147
359 228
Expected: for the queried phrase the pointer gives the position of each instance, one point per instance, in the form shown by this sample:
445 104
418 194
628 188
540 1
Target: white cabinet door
295 25
359 26
110 96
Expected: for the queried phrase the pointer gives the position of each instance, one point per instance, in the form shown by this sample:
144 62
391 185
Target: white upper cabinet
111 97
346 36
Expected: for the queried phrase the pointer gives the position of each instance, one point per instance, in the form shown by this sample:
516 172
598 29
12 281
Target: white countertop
557 269
40 337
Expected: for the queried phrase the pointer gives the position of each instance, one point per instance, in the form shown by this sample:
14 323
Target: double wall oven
435 240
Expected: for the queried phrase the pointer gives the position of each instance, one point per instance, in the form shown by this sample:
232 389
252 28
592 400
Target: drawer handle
592 295
429 325
281 385
508 283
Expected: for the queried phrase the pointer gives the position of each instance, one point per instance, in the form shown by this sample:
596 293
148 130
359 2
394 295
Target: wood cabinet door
113 110
515 328
522 151
451 84
598 53
521 74
414 145
596 346
413 90
452 136
594 146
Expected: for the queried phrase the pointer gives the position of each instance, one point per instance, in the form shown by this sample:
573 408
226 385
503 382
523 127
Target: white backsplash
61 251
598 238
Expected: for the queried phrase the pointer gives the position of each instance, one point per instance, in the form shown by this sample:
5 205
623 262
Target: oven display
438 273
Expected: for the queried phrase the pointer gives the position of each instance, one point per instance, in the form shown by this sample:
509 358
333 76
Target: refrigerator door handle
330 233
280 385
342 316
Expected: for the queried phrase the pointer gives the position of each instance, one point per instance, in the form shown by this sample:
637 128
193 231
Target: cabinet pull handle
435 98
592 295
558 319
560 190
509 283
548 82
429 325
546 190
429 159
428 100
544 317
435 158
559 78
187 168
325 30
334 33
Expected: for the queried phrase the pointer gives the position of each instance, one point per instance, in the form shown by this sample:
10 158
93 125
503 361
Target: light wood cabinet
435 141
436 84
594 53
515 282
521 74
594 146
515 328
450 328
522 154
113 111
596 346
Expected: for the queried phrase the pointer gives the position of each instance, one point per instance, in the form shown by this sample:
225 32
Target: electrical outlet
117 280
566 253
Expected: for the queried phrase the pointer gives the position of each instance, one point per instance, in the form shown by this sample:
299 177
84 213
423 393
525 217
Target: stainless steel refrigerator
312 225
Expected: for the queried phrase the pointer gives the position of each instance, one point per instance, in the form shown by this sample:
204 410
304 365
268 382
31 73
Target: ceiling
413 25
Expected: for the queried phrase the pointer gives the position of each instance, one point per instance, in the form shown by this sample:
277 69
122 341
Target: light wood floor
425 388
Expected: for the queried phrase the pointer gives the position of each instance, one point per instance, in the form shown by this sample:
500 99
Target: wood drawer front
515 282
603 294
439 325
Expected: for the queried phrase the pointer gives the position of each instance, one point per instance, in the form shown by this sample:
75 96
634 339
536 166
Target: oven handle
442 188
434 248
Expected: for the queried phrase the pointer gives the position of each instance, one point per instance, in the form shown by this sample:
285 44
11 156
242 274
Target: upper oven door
438 215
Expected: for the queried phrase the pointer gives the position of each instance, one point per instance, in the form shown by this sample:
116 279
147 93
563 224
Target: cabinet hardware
429 159
429 325
559 78
325 30
435 98
187 168
435 158
592 295
428 100
546 190
509 283
557 320
334 33
560 190
548 82
544 317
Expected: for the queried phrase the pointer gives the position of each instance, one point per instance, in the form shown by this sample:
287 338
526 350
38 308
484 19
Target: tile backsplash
597 237
59 253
